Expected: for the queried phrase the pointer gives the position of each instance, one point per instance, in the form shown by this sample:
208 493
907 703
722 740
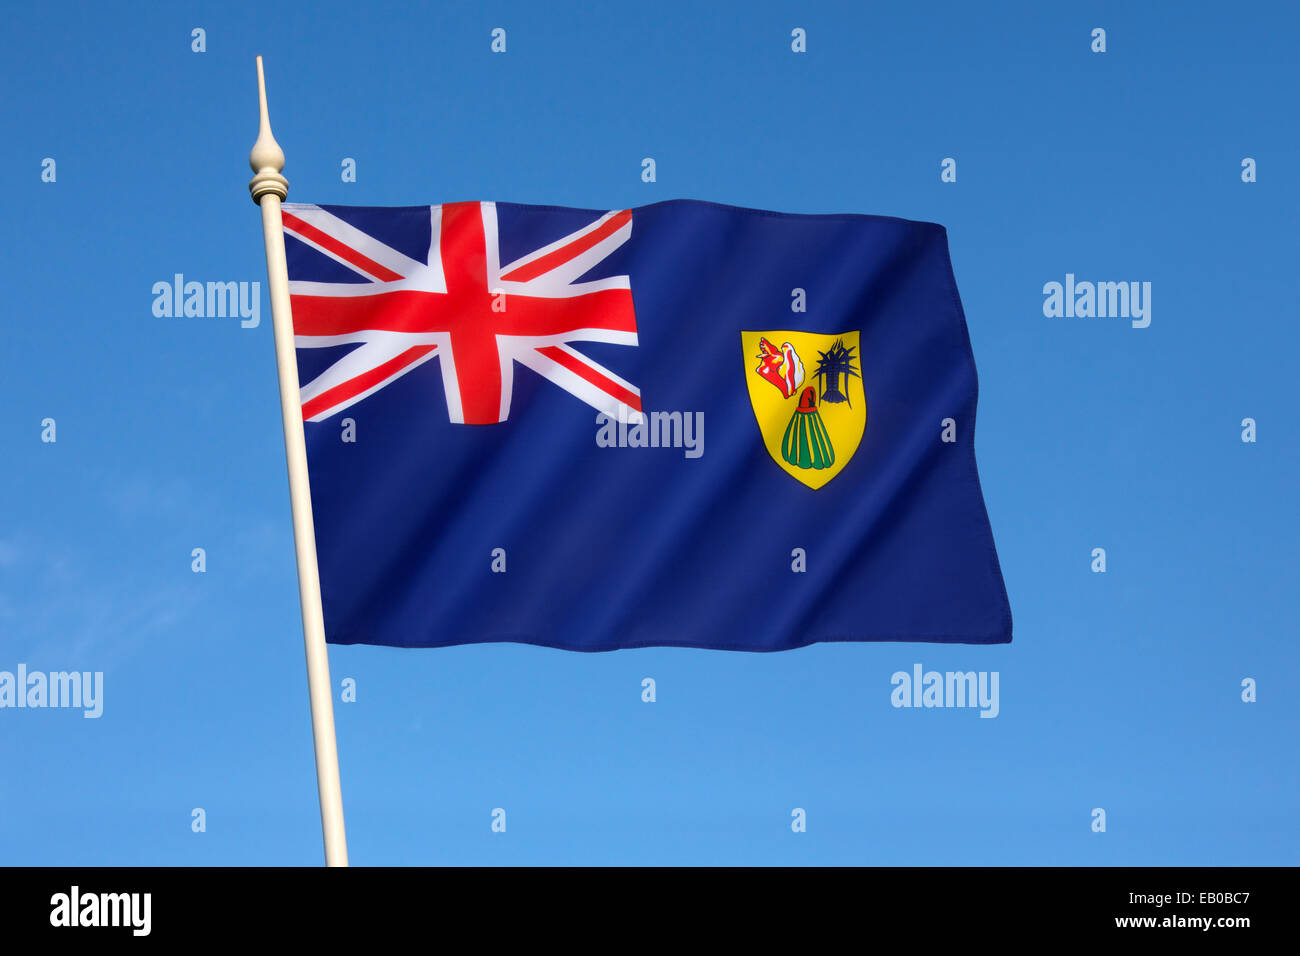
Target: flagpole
269 188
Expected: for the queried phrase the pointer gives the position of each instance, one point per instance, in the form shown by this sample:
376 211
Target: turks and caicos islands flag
680 424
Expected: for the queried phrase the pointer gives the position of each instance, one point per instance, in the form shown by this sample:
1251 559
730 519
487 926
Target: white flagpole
269 188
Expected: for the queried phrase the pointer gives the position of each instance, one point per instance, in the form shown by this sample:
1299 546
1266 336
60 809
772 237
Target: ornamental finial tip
266 158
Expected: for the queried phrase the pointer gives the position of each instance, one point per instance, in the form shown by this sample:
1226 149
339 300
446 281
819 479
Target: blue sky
1121 690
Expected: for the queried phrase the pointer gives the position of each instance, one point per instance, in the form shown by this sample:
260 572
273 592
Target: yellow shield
806 390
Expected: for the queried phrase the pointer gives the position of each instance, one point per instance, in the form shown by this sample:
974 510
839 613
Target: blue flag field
683 424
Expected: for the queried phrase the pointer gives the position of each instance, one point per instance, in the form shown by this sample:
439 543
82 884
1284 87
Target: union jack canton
459 304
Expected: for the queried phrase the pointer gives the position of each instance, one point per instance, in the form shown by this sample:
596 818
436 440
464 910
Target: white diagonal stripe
415 275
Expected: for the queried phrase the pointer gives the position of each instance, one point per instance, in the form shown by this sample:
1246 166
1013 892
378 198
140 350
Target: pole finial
266 157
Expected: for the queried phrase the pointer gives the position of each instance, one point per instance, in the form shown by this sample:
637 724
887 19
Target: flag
683 424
